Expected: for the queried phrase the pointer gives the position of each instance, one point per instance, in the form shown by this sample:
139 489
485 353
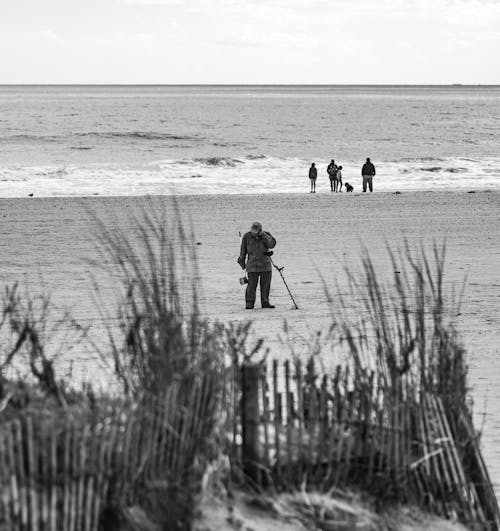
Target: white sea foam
243 175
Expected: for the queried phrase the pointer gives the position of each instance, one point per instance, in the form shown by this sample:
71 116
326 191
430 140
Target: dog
348 187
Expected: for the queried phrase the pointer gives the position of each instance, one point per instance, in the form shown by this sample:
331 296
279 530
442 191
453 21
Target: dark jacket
332 170
368 169
313 172
255 247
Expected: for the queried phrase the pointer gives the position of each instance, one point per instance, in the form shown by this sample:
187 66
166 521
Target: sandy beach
53 239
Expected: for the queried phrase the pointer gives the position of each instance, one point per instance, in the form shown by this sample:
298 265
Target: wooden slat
351 438
235 392
179 458
151 471
149 408
92 472
356 407
313 424
53 511
73 490
323 420
5 491
139 461
300 415
66 477
202 411
407 450
43 429
277 415
175 426
375 442
31 473
396 447
102 433
161 433
448 480
82 466
368 406
471 507
110 449
9 432
266 417
289 421
341 426
434 475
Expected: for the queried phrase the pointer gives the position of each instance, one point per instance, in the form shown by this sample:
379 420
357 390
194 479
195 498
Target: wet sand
53 240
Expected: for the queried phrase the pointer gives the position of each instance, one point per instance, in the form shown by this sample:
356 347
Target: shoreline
253 194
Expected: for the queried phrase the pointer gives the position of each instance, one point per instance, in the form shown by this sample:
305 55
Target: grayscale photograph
249 265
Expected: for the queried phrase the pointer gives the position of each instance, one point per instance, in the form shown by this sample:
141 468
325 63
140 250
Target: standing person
332 174
368 172
254 257
313 175
339 178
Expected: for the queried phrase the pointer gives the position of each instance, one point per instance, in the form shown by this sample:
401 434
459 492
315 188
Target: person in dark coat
255 246
368 172
313 175
332 175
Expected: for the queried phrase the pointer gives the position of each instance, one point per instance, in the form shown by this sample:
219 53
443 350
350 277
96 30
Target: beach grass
404 327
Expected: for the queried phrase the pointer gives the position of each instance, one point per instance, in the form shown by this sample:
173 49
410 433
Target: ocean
156 140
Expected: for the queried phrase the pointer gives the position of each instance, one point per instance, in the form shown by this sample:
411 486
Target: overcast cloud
250 41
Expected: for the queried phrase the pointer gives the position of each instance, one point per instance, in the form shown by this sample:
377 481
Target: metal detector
280 271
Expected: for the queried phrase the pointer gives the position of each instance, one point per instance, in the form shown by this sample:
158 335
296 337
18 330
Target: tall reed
404 327
162 336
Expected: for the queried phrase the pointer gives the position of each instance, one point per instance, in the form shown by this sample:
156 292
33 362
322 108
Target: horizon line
457 85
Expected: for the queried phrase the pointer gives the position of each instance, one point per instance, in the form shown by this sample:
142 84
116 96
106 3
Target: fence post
250 417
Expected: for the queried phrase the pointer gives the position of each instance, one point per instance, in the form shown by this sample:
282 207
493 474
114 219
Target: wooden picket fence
353 429
286 428
57 474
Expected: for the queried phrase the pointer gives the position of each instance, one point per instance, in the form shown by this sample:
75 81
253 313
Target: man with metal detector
257 245
255 258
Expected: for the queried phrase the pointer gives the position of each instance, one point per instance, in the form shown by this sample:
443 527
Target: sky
250 41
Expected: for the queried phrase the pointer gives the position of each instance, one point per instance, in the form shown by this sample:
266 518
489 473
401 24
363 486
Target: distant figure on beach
255 246
313 175
348 187
332 174
368 172
339 179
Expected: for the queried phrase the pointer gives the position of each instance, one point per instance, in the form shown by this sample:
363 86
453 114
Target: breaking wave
255 157
247 174
29 138
142 135
52 172
437 169
218 161
138 135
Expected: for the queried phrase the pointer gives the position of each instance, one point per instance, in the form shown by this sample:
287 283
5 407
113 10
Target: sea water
137 140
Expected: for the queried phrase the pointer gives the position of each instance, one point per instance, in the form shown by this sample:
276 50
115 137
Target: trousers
265 287
367 180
